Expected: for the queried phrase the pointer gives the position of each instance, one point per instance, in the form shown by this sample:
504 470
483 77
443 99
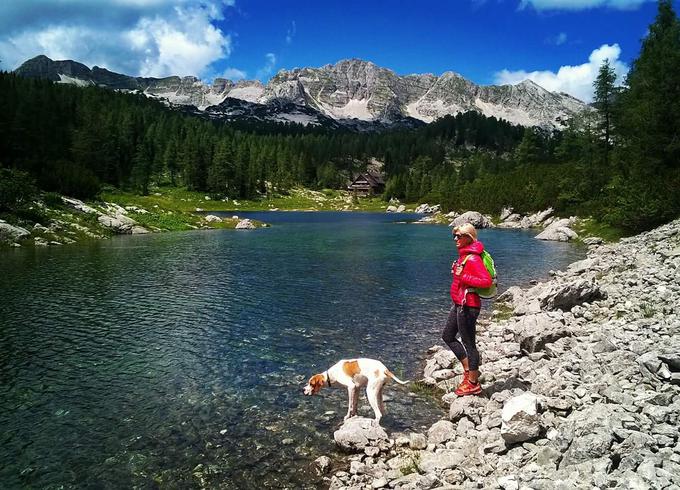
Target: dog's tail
390 374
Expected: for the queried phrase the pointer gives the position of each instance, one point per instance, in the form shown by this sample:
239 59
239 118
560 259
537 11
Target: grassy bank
590 227
50 221
297 199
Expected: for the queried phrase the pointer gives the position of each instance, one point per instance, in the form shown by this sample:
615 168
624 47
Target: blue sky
557 43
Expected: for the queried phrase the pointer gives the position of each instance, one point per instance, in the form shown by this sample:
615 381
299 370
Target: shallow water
179 359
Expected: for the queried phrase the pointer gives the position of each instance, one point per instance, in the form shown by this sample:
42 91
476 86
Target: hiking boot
466 378
467 387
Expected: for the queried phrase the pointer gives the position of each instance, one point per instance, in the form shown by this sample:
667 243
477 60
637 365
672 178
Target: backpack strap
467 290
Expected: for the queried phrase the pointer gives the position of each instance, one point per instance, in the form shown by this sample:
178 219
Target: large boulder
505 213
512 220
533 332
79 205
520 418
589 433
118 223
359 432
11 232
536 219
565 296
245 224
211 218
478 220
558 231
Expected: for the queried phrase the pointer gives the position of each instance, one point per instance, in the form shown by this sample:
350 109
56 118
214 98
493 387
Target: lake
178 359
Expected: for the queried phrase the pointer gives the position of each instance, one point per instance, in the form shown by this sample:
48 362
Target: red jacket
474 275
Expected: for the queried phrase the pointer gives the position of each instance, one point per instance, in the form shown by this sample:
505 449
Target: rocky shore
72 220
581 379
553 228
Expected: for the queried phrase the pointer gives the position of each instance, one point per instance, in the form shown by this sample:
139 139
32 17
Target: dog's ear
316 382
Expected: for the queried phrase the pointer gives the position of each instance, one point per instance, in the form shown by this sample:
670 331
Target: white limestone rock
558 231
211 218
478 220
10 232
358 432
441 432
245 224
520 418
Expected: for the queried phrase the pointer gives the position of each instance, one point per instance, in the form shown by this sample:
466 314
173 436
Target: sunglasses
458 237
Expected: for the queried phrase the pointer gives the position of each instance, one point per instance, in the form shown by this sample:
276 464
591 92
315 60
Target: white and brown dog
353 374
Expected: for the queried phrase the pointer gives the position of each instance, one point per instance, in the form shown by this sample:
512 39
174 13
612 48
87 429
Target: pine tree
141 168
529 150
604 100
645 192
651 105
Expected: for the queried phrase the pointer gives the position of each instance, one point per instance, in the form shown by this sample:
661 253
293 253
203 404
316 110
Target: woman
468 273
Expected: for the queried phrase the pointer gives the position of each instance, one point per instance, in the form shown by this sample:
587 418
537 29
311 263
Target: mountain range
352 93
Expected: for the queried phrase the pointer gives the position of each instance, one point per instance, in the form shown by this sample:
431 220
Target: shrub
52 200
71 179
17 189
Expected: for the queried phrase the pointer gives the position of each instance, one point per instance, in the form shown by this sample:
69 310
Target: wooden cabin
367 184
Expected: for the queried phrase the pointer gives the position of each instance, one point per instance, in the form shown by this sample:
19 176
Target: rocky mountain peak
348 90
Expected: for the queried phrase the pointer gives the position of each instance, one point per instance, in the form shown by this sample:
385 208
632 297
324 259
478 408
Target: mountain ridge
350 91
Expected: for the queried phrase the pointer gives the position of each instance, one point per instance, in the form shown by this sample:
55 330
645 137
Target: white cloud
268 68
581 4
561 38
233 74
574 80
136 37
290 34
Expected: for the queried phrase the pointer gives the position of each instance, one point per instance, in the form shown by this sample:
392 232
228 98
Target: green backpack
490 292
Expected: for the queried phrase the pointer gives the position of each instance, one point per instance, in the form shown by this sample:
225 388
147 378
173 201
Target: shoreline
581 378
73 221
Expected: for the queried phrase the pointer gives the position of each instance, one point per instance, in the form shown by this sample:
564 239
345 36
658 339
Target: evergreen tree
645 193
529 151
651 105
604 99
141 168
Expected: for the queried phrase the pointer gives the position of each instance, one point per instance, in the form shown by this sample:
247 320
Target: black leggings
462 320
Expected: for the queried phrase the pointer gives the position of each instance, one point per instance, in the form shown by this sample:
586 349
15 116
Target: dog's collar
328 379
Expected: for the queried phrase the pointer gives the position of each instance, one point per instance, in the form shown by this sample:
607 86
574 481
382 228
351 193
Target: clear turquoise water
129 362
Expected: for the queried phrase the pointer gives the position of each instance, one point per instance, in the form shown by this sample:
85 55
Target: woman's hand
459 270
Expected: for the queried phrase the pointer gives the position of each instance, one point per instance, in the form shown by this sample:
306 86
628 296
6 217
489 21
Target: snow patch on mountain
354 109
250 93
498 111
74 81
